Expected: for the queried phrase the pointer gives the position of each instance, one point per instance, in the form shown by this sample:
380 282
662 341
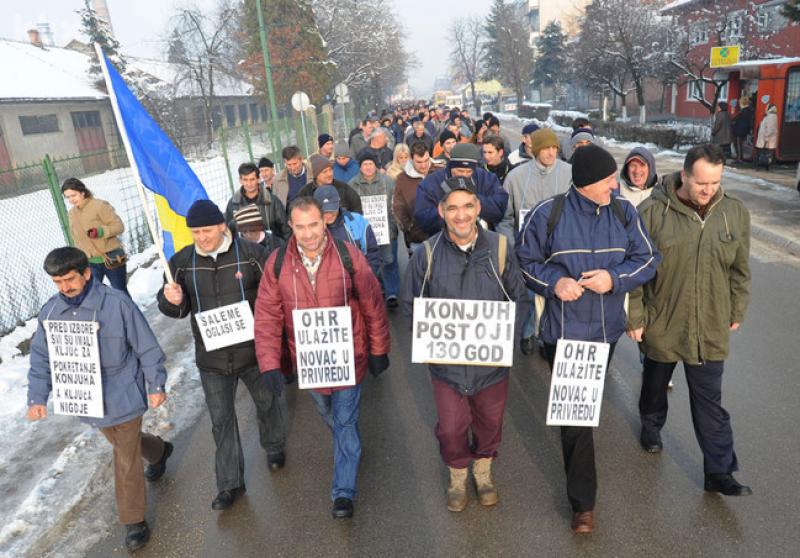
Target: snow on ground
57 477
569 113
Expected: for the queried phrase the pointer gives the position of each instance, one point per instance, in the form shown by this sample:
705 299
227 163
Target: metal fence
34 220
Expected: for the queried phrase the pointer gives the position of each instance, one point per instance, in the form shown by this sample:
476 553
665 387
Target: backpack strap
279 261
555 213
347 262
619 211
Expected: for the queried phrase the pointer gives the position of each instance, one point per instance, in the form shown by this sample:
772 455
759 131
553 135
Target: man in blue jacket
345 168
582 251
463 163
132 374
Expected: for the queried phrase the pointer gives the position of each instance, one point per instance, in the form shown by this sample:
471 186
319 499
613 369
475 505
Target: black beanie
446 135
204 213
591 163
366 155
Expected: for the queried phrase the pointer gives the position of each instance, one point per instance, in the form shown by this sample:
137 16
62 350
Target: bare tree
466 56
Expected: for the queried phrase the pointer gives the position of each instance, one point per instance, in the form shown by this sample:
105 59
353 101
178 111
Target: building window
216 117
230 115
262 108
734 28
41 124
694 90
698 34
533 19
86 119
762 19
253 113
791 111
243 114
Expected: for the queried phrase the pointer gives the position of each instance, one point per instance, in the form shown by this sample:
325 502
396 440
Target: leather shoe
342 508
726 484
155 471
136 536
225 499
651 441
583 522
527 345
276 461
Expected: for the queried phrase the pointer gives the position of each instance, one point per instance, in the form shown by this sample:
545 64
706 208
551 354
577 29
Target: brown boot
482 471
582 522
457 491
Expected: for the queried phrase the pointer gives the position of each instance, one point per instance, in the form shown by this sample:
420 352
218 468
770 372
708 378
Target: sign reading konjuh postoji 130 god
323 340
75 367
576 384
468 332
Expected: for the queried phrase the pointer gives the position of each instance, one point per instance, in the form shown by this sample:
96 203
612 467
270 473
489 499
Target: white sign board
376 213
576 384
466 332
74 353
300 101
323 340
225 326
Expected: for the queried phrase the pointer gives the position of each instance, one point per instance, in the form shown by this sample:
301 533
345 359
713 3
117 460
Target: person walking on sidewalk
221 271
721 134
689 310
95 227
132 374
583 250
318 271
767 139
470 400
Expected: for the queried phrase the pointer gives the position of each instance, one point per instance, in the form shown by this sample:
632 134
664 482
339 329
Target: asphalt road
650 504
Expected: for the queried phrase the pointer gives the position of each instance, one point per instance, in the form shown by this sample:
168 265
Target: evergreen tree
97 30
792 10
492 53
550 67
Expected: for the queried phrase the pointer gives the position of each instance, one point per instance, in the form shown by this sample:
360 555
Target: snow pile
569 114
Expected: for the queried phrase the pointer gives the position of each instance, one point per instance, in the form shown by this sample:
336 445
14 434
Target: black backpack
558 209
347 261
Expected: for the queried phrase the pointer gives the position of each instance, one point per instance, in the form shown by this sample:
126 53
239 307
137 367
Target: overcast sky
141 25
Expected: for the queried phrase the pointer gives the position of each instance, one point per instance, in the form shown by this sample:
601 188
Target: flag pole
134 168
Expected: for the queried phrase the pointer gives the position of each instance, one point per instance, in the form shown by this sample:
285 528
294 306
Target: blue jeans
391 270
340 412
271 415
118 277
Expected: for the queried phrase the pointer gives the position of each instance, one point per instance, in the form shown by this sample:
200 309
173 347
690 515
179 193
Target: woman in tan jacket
95 227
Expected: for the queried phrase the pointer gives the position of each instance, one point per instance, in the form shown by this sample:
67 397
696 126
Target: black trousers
577 447
712 423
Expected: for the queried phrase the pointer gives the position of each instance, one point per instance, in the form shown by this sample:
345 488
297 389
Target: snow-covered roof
224 86
30 72
676 4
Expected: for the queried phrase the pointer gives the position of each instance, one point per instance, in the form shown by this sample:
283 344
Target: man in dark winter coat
273 214
405 194
463 164
468 398
583 264
132 375
322 173
419 134
378 150
220 270
494 157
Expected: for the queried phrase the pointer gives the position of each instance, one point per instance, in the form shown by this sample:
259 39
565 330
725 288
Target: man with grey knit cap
322 175
345 167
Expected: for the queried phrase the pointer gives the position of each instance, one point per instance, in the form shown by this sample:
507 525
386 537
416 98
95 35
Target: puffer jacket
216 285
492 196
97 214
471 275
272 211
703 282
278 297
380 185
587 236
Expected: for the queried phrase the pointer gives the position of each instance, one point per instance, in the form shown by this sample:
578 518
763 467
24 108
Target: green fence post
247 139
225 155
58 199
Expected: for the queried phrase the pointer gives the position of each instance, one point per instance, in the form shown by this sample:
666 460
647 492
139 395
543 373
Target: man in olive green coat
699 295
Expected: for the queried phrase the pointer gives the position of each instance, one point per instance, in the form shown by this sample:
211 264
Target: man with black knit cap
463 164
582 251
219 270
442 150
325 143
524 153
322 175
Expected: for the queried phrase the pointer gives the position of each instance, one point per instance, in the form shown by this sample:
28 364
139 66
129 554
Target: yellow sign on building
724 56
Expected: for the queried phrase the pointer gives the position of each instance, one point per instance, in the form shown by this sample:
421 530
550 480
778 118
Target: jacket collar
665 192
262 198
411 171
226 245
93 301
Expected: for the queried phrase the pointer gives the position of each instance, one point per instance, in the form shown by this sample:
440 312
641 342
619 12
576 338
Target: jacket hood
411 171
644 154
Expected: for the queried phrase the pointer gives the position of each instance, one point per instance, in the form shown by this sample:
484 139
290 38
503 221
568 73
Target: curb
779 241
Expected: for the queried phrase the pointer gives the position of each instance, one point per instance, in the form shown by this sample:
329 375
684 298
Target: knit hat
464 155
529 128
341 149
322 139
367 155
591 164
542 138
581 134
446 135
328 196
318 164
248 218
203 213
264 162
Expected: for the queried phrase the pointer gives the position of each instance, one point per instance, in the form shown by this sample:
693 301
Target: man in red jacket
317 271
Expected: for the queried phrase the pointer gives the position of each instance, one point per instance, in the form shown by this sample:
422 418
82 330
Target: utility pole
275 133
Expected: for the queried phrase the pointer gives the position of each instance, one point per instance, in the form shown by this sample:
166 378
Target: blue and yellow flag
162 168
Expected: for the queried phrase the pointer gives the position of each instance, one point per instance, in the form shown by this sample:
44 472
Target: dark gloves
273 381
377 364
95 232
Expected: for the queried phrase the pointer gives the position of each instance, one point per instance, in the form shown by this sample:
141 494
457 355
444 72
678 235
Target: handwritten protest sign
323 339
576 384
376 214
74 353
226 325
469 332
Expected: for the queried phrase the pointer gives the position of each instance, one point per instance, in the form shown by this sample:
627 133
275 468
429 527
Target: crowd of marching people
584 250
